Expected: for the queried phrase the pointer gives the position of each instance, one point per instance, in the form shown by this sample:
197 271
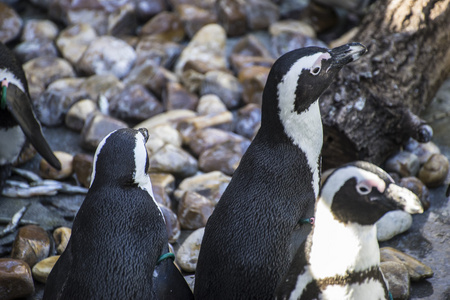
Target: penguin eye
363 189
316 70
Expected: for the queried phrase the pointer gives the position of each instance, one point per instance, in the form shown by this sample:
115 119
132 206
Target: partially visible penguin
17 119
247 248
340 260
119 242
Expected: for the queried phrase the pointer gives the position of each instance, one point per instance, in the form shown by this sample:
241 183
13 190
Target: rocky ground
197 89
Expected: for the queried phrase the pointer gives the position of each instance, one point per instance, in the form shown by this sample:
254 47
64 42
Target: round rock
42 269
15 279
31 245
47 171
434 172
187 255
393 223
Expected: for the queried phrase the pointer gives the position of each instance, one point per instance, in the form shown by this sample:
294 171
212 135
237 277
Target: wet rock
134 104
82 167
393 223
61 236
47 171
107 55
148 8
210 104
52 106
172 117
122 21
163 53
151 75
11 23
189 127
31 49
165 25
194 18
240 62
96 18
416 269
192 79
248 120
261 13
232 16
223 157
422 151
207 45
397 276
292 26
78 113
31 245
187 255
69 88
15 279
163 185
253 80
42 269
97 126
434 172
210 137
161 135
39 29
107 85
174 160
250 45
417 187
172 224
194 210
43 70
404 163
210 185
224 85
74 40
177 97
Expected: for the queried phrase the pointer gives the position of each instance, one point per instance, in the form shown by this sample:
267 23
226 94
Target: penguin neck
305 131
11 78
340 249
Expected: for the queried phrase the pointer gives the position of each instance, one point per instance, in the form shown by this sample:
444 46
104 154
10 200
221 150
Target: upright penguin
119 241
247 246
340 258
17 119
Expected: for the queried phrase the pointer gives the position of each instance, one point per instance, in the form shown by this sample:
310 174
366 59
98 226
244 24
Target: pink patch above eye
380 185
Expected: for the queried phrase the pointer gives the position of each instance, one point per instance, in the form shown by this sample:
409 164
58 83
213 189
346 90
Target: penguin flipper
169 283
20 107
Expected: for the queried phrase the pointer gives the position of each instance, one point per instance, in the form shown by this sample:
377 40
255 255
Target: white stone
187 255
393 223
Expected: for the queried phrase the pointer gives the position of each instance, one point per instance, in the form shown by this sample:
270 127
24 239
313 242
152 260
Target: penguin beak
347 53
403 198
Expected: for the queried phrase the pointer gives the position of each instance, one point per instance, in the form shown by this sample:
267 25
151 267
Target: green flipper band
307 221
165 256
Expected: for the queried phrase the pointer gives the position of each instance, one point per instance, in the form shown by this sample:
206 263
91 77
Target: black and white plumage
340 259
119 233
17 119
247 243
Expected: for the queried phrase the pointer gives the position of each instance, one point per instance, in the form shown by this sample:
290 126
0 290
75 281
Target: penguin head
121 158
362 193
299 77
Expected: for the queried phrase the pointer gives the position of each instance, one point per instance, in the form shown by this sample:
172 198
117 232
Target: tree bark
372 107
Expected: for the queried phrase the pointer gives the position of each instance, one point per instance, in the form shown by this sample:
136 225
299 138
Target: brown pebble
47 171
82 166
434 172
15 279
42 269
61 236
31 245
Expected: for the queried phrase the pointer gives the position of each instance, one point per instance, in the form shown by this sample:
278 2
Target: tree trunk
373 106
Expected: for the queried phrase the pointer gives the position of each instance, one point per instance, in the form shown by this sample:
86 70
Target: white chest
11 142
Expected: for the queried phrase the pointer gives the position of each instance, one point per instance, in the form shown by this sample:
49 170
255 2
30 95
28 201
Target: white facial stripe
11 78
97 151
140 176
336 180
304 129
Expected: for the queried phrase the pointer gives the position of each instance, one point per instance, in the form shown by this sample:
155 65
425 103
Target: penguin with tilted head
18 123
340 260
248 241
119 245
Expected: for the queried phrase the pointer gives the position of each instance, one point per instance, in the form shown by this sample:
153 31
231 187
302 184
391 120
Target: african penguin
119 244
247 245
17 119
341 258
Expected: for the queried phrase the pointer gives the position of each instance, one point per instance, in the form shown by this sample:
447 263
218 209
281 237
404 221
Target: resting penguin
119 245
340 258
247 246
17 119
